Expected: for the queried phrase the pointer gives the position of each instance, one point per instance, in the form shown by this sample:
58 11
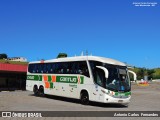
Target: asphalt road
143 99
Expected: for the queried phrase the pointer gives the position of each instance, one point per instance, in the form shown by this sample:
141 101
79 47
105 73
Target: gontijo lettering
68 79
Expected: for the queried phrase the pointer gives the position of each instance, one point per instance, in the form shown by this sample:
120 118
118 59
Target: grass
13 62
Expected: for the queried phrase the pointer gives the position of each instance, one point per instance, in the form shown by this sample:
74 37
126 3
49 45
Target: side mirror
105 71
134 74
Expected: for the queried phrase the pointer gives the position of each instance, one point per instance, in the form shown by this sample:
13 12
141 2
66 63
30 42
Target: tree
141 72
150 73
62 55
3 56
156 74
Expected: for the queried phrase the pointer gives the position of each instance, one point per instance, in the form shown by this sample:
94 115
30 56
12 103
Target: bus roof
81 58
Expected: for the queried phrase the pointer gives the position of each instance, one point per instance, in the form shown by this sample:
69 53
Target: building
19 59
13 76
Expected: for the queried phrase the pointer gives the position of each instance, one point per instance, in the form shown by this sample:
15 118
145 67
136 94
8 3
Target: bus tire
35 90
84 98
41 91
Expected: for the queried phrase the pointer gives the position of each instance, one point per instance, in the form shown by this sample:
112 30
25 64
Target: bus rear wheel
84 98
41 91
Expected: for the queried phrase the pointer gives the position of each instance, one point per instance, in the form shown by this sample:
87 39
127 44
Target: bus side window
58 69
82 68
48 67
72 68
44 68
76 69
35 68
40 68
99 77
31 68
63 68
68 67
54 68
95 71
85 69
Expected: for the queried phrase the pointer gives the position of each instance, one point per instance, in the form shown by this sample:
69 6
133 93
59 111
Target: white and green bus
88 78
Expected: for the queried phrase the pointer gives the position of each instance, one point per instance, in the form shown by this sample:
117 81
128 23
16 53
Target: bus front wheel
84 98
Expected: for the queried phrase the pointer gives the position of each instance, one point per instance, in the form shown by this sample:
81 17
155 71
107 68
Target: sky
41 29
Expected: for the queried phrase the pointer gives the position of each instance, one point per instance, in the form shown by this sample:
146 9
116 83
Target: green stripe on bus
116 93
40 77
49 78
51 85
61 79
82 80
127 93
33 77
123 94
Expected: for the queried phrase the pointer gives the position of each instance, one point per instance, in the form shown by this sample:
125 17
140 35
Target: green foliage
156 74
151 73
3 56
131 77
62 55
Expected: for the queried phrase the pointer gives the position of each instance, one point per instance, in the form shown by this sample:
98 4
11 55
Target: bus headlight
108 93
104 92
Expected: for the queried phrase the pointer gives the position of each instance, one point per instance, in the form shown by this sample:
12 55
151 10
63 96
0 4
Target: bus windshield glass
118 79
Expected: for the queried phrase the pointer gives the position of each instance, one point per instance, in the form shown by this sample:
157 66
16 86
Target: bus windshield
118 79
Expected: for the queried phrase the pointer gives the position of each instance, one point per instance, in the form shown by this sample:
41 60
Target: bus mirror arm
105 70
134 74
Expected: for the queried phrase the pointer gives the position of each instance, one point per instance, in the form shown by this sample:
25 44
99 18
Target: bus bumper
109 99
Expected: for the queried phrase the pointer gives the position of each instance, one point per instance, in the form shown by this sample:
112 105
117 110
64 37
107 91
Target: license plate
122 94
120 101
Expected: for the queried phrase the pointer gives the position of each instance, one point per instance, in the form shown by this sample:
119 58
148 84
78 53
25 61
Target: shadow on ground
76 101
